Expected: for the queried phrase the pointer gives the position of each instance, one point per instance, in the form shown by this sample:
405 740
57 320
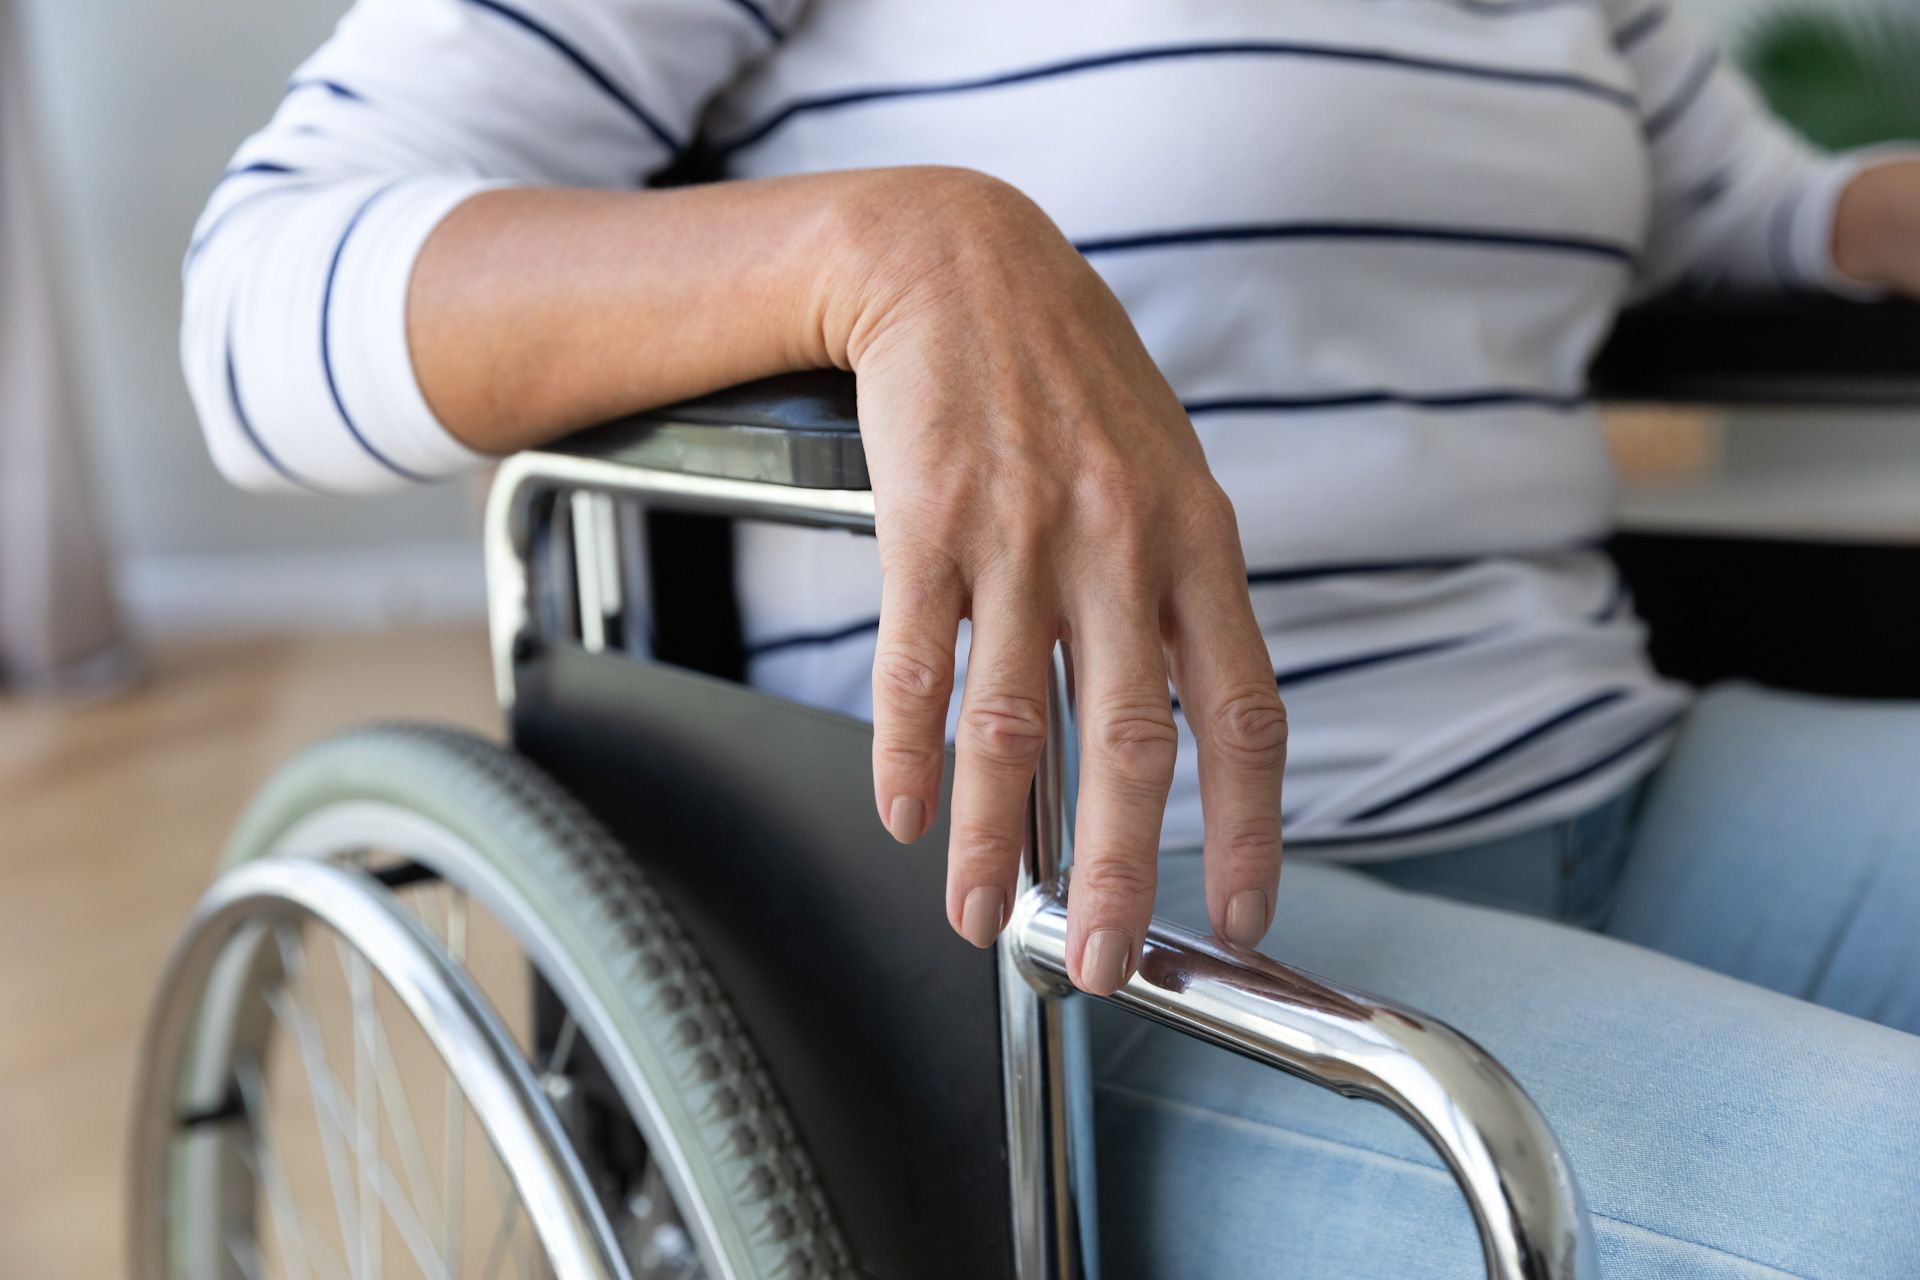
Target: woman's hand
1034 472
1876 228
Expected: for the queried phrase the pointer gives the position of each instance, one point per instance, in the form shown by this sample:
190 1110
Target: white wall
141 102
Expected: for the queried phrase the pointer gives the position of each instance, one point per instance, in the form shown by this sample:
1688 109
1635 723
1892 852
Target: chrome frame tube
524 478
1517 1181
464 1030
1528 1208
1053 1201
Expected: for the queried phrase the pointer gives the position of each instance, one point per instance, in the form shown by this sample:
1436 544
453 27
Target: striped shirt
1372 243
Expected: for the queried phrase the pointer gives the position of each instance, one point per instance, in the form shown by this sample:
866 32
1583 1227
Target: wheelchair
649 993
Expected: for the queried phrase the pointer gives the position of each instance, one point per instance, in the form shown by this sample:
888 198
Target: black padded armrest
1734 349
798 429
802 429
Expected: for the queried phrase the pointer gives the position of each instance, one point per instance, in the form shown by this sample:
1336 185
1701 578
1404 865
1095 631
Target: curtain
60 626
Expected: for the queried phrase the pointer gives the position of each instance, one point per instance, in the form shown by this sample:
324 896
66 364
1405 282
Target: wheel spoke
298 1022
331 1107
315 1252
453 1180
503 1235
246 1256
562 1050
366 1133
288 1231
399 1113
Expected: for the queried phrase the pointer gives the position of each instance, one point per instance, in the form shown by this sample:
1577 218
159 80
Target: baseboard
279 592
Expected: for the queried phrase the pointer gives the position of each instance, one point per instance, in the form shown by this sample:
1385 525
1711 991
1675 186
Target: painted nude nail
906 819
1247 918
1105 961
980 916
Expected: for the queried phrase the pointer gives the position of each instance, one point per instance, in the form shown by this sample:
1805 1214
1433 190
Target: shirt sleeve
1738 197
293 335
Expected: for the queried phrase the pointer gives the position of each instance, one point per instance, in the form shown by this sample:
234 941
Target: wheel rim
212 1195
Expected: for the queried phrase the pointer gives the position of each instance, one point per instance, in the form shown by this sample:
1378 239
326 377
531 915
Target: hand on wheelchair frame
1062 498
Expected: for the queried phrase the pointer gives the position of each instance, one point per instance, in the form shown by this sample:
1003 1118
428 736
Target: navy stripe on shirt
586 68
240 202
1698 78
1294 677
1485 398
1780 237
1490 238
1162 53
813 639
1298 676
258 166
1493 755
760 18
1558 782
1512 8
1357 568
1255 578
333 87
246 426
1640 27
326 343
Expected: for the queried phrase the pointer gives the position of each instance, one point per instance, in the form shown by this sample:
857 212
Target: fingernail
1247 918
1104 962
980 916
906 819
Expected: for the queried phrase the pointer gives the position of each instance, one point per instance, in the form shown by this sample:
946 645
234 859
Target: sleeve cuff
373 359
1809 247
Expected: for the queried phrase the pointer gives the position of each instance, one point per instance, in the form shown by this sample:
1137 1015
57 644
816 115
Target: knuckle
1007 728
1112 878
977 846
1210 514
1251 725
1116 498
1136 741
912 545
1252 844
1036 492
905 760
909 677
1106 467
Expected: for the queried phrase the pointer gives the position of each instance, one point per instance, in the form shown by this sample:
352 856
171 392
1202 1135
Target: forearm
1876 229
535 312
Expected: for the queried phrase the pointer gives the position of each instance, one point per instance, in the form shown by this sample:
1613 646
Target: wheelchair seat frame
788 451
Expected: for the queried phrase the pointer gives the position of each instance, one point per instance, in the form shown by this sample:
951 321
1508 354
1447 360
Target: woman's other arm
1738 198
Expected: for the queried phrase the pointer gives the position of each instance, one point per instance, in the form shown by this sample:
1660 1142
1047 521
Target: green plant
1844 78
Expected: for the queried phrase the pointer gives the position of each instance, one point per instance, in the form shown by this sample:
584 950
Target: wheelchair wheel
432 1021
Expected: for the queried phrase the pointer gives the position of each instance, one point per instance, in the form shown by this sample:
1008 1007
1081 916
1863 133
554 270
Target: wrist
908 241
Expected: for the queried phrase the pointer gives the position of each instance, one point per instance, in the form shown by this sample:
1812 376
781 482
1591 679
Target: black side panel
756 819
1836 618
696 613
1763 349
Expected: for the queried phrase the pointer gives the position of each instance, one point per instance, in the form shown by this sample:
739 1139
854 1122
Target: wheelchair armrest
802 429
798 430
1748 349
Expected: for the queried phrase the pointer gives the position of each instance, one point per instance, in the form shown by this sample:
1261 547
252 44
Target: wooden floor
111 815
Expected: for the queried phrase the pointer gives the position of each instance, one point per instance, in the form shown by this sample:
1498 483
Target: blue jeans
1722 1124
